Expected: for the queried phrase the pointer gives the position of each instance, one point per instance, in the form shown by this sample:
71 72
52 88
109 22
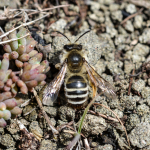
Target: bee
78 76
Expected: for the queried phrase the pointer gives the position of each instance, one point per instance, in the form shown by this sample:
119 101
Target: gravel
114 48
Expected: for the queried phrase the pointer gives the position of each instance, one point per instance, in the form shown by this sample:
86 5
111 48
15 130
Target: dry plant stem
143 3
104 116
29 112
23 10
59 128
3 42
44 113
73 132
47 9
117 118
35 11
37 5
69 131
21 126
25 103
87 147
24 24
131 16
131 80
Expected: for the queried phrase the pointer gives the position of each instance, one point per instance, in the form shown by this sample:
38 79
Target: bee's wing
99 82
50 93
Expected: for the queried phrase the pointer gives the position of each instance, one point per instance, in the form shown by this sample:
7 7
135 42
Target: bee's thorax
75 61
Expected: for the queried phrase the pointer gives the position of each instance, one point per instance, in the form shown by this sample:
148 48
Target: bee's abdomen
76 90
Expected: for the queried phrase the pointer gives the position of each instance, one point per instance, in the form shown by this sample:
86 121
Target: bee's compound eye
79 47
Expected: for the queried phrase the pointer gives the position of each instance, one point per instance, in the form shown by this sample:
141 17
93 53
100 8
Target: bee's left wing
50 93
100 82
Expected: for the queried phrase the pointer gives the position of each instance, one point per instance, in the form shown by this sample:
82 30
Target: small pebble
66 113
132 121
145 37
93 125
7 140
142 109
140 135
48 145
138 21
130 8
141 49
117 15
128 26
138 85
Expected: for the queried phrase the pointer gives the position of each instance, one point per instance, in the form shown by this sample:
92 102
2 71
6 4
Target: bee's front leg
58 66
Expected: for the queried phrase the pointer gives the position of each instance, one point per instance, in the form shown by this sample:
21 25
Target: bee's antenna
64 36
82 35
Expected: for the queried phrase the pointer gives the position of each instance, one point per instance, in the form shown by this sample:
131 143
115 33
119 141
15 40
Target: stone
58 26
93 125
130 8
34 128
145 37
141 50
48 145
128 26
138 85
117 15
66 113
115 67
142 109
132 121
140 135
105 147
7 140
145 92
113 7
138 21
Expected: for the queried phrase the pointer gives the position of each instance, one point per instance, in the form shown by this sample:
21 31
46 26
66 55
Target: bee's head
70 47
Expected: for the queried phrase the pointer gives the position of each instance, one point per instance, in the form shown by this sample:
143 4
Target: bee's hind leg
94 88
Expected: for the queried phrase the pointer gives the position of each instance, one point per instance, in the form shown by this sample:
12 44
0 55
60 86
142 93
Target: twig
104 116
37 5
131 16
131 80
22 10
21 126
4 42
29 112
44 114
135 75
25 103
59 128
47 9
69 131
87 147
73 142
143 3
24 24
117 118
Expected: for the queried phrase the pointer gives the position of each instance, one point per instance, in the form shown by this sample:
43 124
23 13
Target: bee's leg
58 66
94 88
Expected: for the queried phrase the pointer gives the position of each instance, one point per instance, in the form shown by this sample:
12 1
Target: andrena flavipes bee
78 76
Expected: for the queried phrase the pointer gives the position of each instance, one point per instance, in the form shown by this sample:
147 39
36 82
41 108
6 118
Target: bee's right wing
100 82
50 93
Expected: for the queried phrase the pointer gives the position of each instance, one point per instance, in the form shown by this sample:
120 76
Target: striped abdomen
76 90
